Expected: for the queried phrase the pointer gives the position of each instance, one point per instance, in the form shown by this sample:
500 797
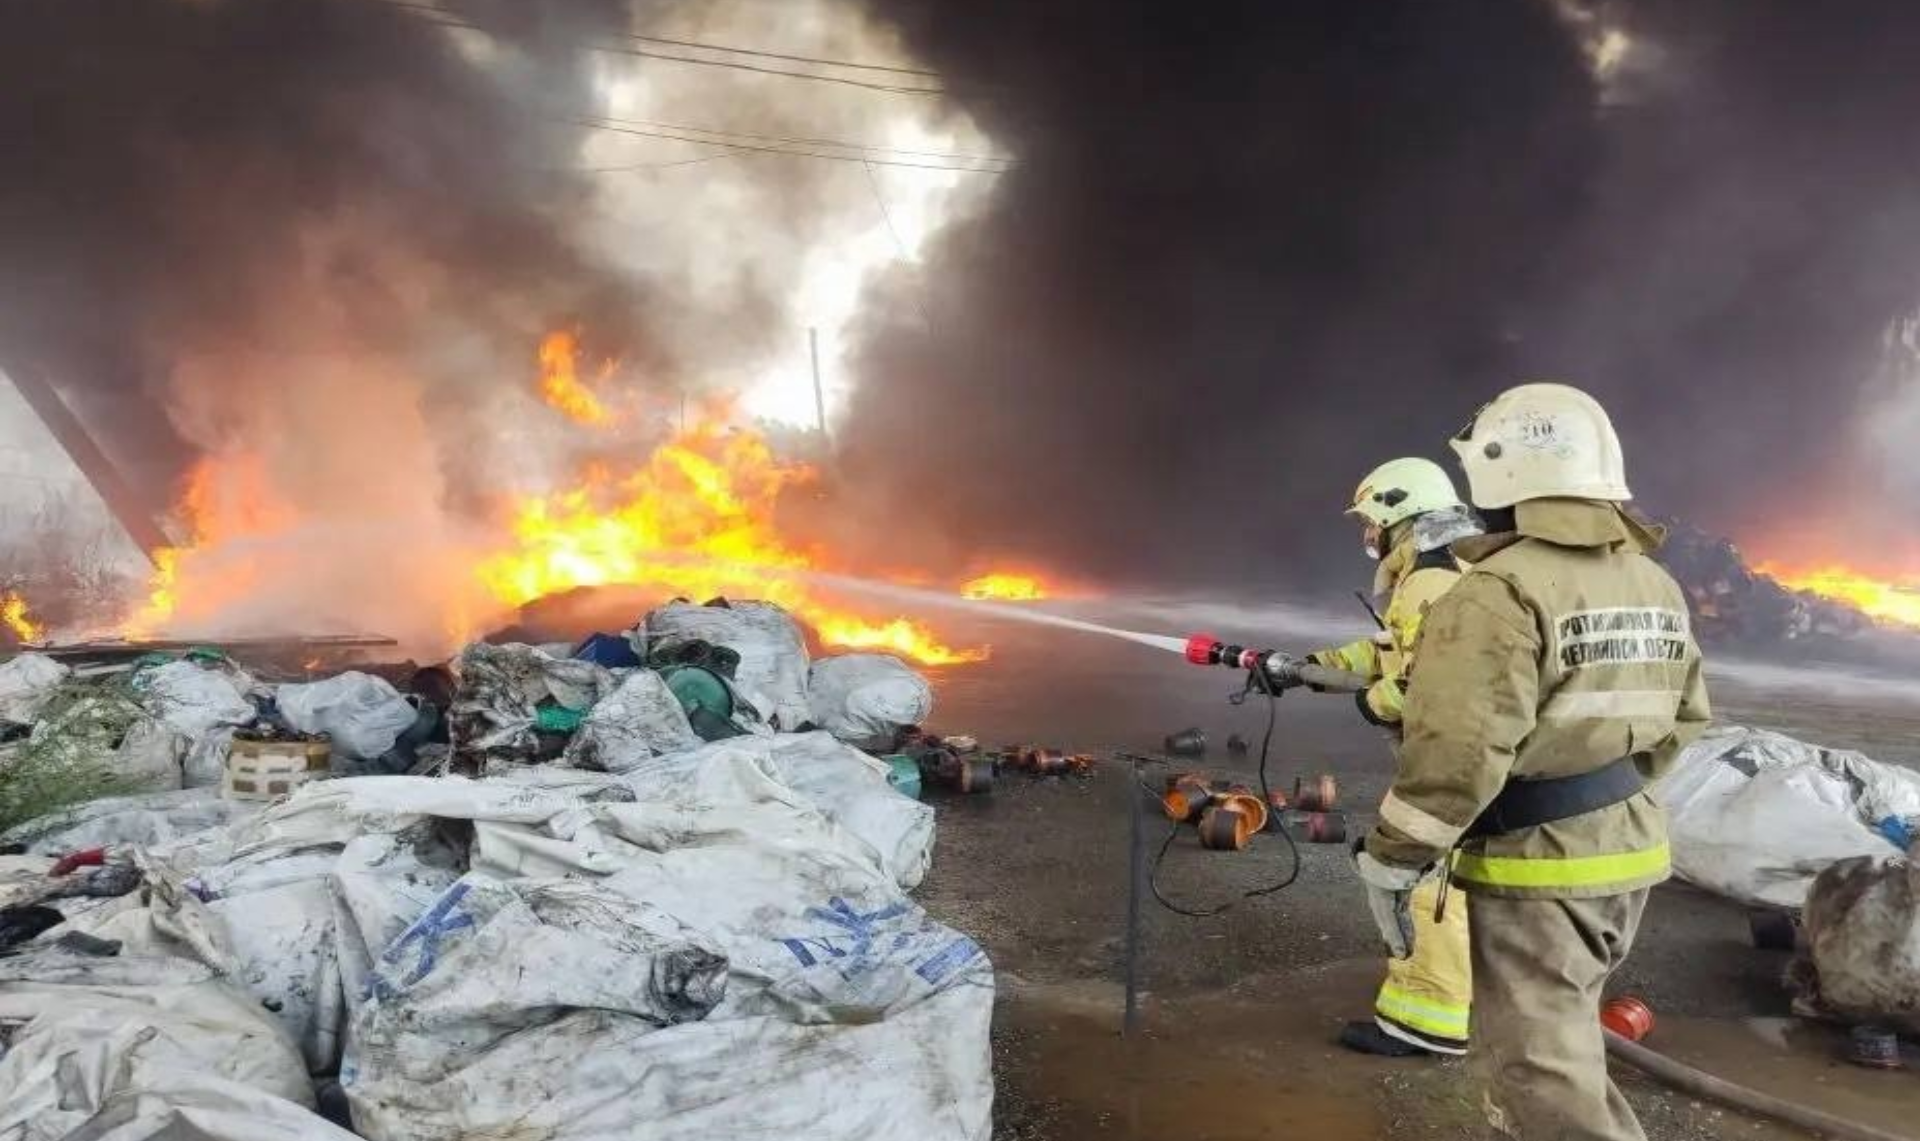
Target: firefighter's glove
1380 703
1389 898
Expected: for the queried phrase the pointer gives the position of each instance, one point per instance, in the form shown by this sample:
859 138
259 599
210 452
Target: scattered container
1187 796
1875 1047
1628 1017
1187 742
1317 795
1317 827
903 773
268 770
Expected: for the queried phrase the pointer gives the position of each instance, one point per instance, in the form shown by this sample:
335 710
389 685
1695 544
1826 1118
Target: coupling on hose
1282 670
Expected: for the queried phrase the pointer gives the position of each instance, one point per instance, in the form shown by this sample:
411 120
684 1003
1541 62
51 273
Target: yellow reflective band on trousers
1426 1016
1565 871
1430 993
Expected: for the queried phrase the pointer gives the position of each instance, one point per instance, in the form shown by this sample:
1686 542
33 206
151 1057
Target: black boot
1368 1038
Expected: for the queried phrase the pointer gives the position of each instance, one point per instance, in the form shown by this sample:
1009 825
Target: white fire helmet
1541 441
1400 489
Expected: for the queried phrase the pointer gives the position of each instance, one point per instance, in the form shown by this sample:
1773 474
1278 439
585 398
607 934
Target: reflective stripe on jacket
1564 648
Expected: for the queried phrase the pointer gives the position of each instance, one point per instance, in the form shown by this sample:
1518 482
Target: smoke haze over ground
1252 249
1248 250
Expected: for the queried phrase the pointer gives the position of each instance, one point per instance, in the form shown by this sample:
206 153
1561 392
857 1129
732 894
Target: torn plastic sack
867 698
1755 815
1863 944
205 764
453 995
772 672
845 786
27 682
641 719
130 1042
496 709
854 1012
192 699
148 819
93 740
363 714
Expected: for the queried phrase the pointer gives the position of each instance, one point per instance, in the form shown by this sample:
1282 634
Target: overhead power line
447 19
727 135
603 125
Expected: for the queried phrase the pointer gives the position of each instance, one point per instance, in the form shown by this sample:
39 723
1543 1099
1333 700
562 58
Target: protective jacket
1563 649
1411 581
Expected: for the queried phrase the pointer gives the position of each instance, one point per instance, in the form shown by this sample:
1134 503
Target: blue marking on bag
429 930
859 942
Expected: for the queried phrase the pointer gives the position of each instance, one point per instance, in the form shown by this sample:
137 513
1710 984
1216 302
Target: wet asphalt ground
1240 1010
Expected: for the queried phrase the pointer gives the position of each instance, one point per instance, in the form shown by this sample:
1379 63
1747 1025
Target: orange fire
1006 587
560 384
222 499
1887 601
696 519
14 616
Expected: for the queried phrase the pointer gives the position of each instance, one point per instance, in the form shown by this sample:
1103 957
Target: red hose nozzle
1201 649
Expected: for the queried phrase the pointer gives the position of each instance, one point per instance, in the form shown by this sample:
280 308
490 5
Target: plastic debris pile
642 896
1735 605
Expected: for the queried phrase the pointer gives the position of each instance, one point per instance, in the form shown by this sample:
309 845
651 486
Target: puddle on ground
1259 1061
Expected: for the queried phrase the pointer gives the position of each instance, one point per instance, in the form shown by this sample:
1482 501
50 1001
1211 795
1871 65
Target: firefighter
1556 680
1411 513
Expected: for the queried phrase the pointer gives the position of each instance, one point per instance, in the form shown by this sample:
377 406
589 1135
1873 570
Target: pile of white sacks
712 941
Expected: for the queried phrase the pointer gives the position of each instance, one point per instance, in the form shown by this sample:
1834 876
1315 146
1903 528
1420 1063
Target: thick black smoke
285 177
1252 249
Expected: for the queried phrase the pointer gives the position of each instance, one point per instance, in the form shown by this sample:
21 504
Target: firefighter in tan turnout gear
1411 514
1554 682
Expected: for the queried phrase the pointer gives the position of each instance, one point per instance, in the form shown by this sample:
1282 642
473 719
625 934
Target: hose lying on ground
1685 1078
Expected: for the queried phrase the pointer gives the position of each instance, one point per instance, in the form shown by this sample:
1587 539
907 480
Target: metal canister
1875 1047
1187 742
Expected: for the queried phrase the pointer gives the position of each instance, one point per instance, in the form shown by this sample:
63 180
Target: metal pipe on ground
1685 1078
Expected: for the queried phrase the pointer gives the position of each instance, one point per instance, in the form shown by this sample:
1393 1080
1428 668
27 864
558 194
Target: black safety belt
1528 803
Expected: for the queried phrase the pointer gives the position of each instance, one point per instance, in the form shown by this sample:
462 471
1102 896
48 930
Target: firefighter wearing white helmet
1556 680
1410 513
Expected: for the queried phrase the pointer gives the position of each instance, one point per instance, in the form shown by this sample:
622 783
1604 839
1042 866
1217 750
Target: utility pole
819 400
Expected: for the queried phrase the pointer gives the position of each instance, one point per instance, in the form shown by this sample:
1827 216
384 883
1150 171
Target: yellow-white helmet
1400 489
1539 441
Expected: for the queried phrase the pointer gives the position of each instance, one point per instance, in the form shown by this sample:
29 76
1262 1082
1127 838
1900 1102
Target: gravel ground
1242 1008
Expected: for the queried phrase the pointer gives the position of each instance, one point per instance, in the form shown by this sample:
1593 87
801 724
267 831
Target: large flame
560 384
1005 586
1883 599
223 499
697 518
15 617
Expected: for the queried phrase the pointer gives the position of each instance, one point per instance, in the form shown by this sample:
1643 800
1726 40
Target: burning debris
1735 604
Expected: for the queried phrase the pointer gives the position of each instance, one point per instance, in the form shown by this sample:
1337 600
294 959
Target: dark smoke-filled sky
1249 250
1254 248
252 182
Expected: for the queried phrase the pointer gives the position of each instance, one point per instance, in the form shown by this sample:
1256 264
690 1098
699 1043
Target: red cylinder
1628 1017
1200 649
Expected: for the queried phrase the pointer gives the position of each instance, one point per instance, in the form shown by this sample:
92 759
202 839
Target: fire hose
1272 673
1685 1078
